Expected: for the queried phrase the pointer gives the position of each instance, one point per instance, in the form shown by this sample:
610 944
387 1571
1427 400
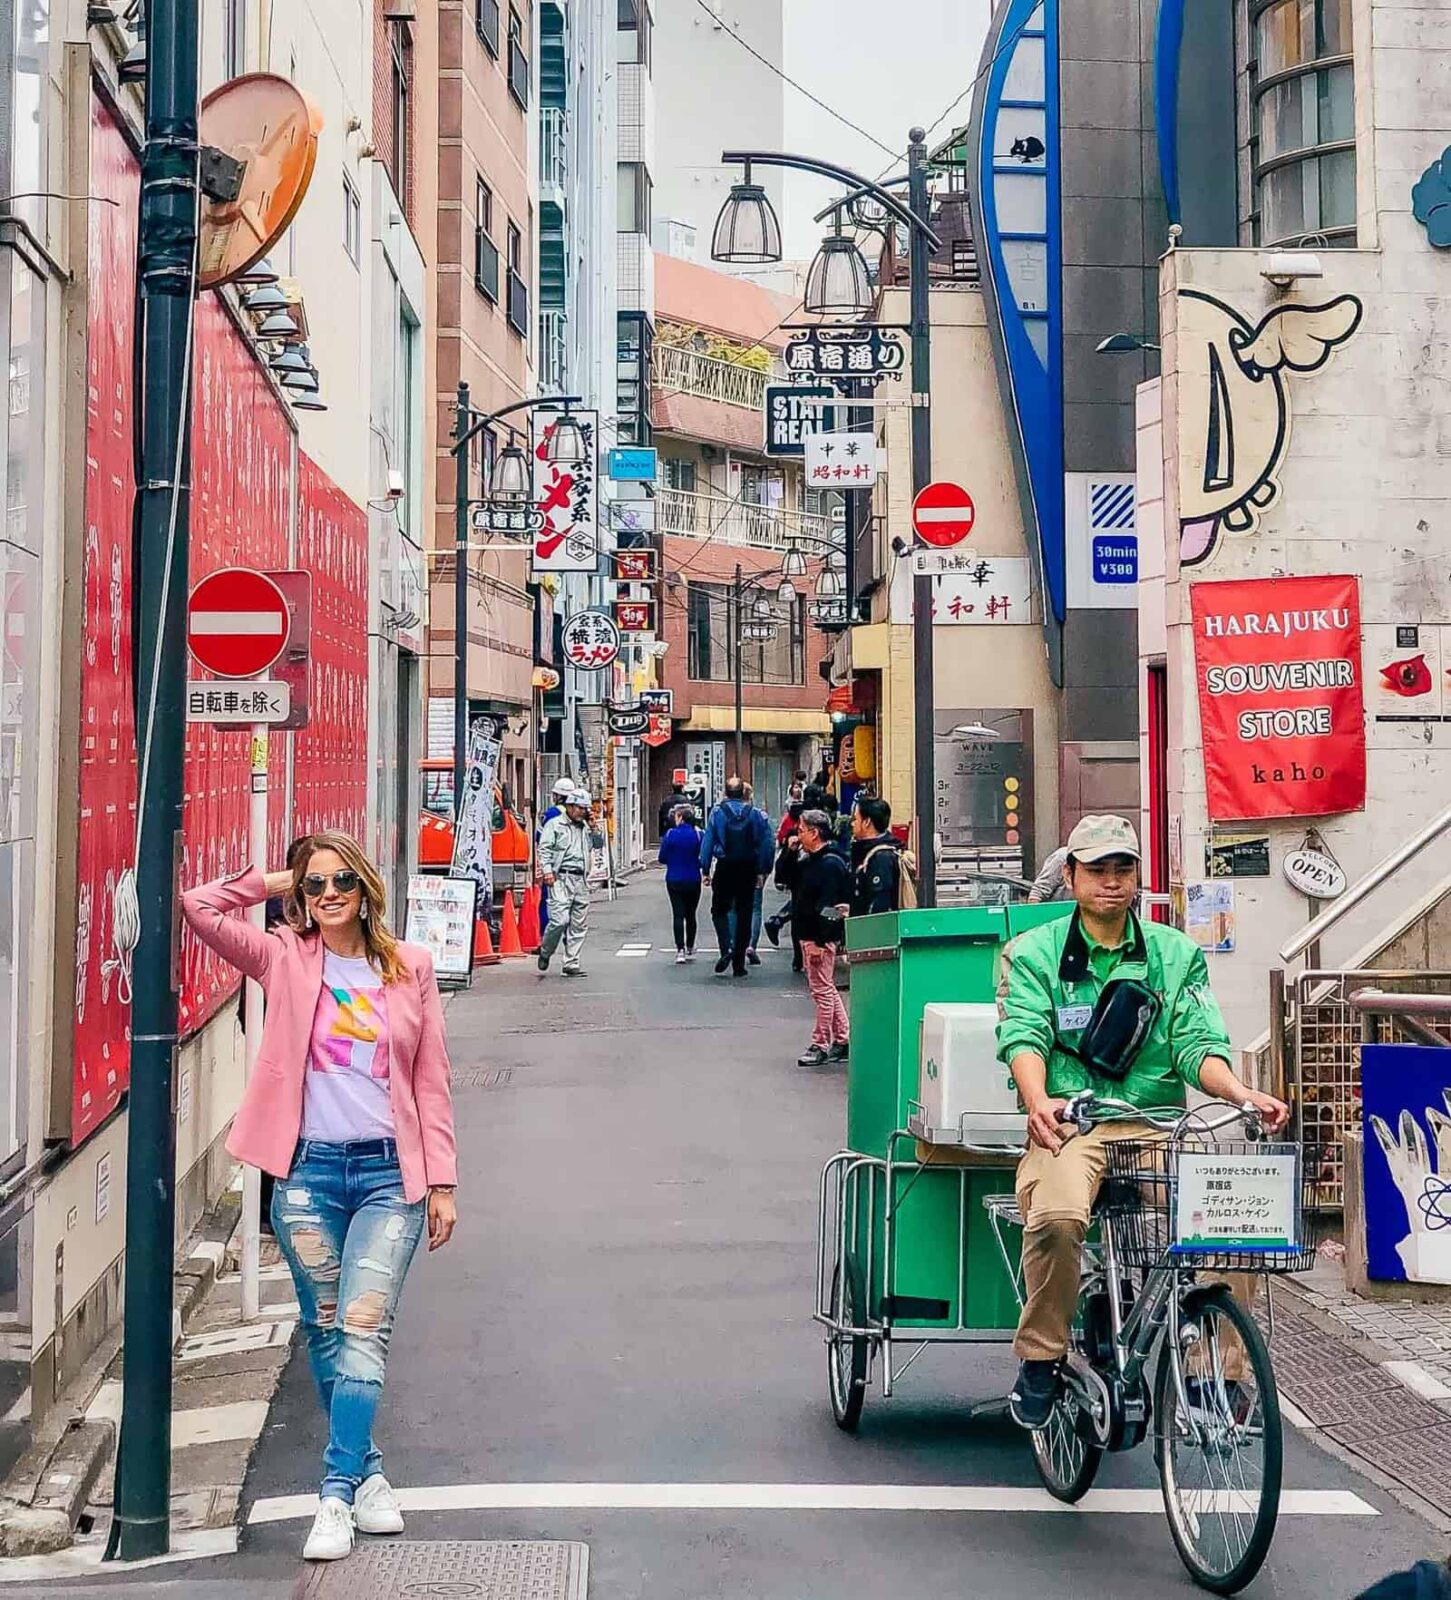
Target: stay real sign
1280 696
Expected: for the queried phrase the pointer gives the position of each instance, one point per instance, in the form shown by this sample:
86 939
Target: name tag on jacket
1072 1018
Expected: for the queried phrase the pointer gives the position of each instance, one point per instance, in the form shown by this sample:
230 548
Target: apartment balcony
553 351
553 156
728 521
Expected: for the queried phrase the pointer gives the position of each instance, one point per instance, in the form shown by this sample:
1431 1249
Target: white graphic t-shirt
345 1091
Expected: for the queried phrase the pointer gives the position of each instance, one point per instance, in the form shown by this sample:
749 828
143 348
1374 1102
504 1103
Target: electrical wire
785 77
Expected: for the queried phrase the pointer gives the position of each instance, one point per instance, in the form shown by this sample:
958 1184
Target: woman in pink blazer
349 1108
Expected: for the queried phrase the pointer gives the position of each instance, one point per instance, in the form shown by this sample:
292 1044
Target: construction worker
564 848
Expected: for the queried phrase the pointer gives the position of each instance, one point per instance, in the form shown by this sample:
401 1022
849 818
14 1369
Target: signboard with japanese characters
1237 1202
634 616
567 496
658 701
634 566
994 589
504 518
827 613
441 918
794 412
633 465
659 730
590 640
841 460
238 703
861 352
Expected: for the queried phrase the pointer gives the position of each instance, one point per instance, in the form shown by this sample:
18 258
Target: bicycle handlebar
1086 1111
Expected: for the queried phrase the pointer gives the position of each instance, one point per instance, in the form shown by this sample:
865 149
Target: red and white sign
1280 697
942 514
236 622
659 732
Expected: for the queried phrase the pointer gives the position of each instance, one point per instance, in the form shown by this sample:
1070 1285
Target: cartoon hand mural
1235 407
1425 1251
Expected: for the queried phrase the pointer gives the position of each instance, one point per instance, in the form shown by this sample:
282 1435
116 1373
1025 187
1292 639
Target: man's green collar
1073 967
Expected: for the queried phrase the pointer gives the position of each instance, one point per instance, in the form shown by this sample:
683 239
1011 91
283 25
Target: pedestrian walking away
758 900
680 855
564 849
821 902
1055 995
350 1108
669 806
735 856
881 868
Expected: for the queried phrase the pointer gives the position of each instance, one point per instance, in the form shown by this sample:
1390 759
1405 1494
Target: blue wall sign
1407 1132
632 466
1115 558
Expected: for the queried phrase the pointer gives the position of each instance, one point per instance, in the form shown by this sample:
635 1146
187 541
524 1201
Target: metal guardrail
733 521
1407 1010
678 371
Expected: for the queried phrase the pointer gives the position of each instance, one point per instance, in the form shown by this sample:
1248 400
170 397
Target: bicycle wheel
846 1354
1220 1462
1067 1463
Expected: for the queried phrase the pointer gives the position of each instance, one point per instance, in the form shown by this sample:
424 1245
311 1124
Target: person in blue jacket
735 856
680 856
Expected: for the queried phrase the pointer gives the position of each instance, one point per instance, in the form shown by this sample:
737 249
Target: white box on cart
967 1094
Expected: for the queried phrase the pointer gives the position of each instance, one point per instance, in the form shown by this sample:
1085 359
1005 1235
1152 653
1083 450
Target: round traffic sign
942 514
236 622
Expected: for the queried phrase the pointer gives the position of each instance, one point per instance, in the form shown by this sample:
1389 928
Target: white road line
791 1497
1418 1380
85 1558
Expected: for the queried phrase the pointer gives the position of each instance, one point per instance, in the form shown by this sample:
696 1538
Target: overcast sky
885 66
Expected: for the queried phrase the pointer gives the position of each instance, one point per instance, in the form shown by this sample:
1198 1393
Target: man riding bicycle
1104 1002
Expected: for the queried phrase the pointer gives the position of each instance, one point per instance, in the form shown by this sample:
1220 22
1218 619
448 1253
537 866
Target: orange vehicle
435 823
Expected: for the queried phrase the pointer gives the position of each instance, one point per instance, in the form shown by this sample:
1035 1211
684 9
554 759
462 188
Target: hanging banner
566 496
1280 701
473 855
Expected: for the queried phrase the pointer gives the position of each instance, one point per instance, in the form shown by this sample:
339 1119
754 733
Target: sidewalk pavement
1370 1379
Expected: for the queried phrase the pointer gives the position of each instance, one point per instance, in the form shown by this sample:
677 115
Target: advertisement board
566 495
1280 695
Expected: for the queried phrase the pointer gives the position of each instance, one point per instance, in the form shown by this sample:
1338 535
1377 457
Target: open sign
1314 874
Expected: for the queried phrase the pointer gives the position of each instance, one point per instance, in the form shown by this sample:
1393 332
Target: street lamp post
747 230
467 425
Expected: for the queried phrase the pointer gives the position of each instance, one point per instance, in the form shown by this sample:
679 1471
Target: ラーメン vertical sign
566 495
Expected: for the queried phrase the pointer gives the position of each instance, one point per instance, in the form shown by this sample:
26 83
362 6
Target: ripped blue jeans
348 1235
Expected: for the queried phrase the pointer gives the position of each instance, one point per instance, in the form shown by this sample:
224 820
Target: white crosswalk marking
634 950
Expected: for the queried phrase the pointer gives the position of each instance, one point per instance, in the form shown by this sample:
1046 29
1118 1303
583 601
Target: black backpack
738 838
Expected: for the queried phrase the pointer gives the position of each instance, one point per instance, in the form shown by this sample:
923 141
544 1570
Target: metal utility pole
168 235
460 603
923 697
736 631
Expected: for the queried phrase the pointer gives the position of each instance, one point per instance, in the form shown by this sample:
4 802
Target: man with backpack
879 874
735 856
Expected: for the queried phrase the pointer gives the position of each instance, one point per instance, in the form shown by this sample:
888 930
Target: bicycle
1214 1406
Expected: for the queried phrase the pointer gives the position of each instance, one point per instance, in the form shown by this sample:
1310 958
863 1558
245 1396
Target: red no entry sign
942 514
236 622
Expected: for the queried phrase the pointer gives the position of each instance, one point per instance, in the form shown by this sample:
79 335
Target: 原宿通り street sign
508 519
792 413
841 460
590 640
836 353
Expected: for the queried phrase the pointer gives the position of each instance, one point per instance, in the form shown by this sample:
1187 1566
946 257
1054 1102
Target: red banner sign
1278 668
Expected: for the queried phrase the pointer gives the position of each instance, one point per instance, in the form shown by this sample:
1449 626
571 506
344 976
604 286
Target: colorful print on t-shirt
345 1090
346 1034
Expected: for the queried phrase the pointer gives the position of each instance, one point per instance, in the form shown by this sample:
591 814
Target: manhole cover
453 1569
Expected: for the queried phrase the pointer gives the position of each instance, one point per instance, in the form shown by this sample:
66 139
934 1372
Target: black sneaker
1031 1402
773 931
839 1052
753 958
574 972
543 962
722 966
813 1056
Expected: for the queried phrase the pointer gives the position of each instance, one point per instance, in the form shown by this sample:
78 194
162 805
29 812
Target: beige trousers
1055 1196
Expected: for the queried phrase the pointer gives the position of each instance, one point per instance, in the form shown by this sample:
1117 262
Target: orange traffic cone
483 944
529 920
509 928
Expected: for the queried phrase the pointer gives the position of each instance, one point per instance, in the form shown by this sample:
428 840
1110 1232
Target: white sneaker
332 1531
680 958
690 952
375 1506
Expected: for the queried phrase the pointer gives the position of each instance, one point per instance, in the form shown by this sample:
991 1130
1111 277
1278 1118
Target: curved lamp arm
478 427
858 194
828 169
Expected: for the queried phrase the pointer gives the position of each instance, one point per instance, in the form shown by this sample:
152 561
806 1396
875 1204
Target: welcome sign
1280 696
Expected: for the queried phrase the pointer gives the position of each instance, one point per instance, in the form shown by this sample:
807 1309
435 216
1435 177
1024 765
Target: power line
750 49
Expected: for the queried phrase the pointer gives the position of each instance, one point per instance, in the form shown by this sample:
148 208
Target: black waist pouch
1118 1028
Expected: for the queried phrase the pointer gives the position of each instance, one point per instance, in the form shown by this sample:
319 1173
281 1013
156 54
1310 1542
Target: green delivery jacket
1051 978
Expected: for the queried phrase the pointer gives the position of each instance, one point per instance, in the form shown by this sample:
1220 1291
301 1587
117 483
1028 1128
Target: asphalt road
627 1302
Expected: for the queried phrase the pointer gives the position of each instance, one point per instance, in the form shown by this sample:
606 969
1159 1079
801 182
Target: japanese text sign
634 616
862 352
1280 699
841 460
590 640
635 566
1239 1202
566 494
224 703
991 589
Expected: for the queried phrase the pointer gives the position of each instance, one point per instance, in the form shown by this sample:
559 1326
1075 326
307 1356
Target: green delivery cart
911 1248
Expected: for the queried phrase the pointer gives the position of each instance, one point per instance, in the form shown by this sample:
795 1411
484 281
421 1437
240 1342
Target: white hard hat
579 797
563 786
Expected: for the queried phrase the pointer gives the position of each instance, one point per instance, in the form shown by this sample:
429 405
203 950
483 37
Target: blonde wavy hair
382 946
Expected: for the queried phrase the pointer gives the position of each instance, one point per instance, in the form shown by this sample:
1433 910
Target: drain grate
451 1569
494 1078
1421 1460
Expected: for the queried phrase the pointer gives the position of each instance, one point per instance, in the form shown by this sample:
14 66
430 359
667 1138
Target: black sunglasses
315 883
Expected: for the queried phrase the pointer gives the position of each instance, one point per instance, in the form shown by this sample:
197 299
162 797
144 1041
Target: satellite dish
270 127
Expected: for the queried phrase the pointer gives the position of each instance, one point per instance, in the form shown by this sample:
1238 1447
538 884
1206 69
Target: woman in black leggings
680 855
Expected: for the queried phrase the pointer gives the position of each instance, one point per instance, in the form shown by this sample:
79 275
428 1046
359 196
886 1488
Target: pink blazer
288 965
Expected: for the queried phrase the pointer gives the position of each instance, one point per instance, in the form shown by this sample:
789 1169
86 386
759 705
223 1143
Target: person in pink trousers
349 1108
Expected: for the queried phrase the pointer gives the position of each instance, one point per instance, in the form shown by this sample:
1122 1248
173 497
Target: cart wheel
846 1354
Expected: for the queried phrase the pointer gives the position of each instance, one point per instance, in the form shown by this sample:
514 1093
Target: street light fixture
510 479
1123 344
268 298
279 325
786 593
828 585
258 274
837 282
294 358
305 382
794 566
747 230
761 608
566 445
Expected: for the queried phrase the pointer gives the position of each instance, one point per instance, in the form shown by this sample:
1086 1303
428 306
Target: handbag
1117 1029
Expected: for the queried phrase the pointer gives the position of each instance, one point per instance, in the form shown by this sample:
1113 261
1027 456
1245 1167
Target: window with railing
553 349
553 145
518 61
518 296
1304 121
486 252
682 371
779 660
486 22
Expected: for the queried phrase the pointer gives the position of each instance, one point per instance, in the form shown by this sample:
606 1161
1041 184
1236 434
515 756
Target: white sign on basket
1237 1202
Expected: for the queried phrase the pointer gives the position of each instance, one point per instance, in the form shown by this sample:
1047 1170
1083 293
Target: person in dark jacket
680 855
1427 1580
668 807
788 860
823 892
735 856
876 859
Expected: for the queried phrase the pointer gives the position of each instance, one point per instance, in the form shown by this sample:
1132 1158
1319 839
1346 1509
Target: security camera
1284 267
395 485
901 547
